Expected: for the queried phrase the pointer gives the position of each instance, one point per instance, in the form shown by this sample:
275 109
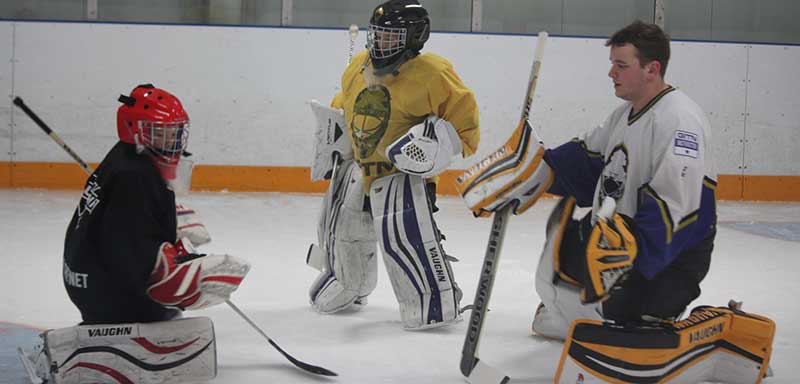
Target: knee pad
713 344
175 351
560 294
346 256
420 273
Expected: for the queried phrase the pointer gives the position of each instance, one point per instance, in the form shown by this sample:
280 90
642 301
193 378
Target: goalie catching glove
610 253
184 279
427 149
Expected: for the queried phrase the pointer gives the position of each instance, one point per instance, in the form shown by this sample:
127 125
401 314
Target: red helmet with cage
155 121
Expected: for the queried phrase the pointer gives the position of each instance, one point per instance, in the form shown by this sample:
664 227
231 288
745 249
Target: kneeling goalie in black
129 267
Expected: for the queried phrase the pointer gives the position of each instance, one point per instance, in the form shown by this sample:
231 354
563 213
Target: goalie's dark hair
651 43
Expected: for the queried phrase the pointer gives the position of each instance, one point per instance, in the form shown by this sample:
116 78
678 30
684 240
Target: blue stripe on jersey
658 244
576 171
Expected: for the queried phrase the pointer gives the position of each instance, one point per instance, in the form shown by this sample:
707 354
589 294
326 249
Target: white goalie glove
427 149
330 137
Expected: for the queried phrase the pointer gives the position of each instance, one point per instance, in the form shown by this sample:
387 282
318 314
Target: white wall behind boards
6 46
246 88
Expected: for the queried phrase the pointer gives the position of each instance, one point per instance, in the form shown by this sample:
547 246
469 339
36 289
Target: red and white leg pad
175 351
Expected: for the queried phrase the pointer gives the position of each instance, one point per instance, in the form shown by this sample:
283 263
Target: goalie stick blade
483 373
315 259
304 366
27 364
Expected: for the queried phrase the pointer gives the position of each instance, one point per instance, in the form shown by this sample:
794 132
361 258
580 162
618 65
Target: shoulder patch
686 144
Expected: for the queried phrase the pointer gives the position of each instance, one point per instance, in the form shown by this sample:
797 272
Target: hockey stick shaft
469 352
21 104
304 366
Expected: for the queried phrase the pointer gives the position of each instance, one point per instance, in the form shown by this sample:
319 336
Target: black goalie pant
664 297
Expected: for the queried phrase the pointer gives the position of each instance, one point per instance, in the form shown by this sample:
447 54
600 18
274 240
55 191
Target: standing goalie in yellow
408 116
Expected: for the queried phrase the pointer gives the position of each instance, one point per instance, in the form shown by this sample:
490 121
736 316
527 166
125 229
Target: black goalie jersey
126 212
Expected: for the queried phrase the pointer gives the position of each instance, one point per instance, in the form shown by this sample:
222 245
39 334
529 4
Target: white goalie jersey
657 164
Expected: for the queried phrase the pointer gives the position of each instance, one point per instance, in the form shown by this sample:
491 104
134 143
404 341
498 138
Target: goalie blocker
514 174
715 344
166 352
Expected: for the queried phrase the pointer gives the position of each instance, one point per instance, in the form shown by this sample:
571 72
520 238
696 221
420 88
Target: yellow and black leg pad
713 344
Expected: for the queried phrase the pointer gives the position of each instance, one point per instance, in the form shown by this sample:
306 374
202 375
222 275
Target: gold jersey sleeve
379 114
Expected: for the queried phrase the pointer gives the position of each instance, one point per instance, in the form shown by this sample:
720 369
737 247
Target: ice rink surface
756 260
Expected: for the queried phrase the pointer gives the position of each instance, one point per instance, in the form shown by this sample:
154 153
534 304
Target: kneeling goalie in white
166 352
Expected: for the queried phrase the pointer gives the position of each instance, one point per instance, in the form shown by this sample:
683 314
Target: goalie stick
473 369
304 366
353 33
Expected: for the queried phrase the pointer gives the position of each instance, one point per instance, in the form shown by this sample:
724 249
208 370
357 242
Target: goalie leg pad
714 344
421 275
559 292
176 351
347 259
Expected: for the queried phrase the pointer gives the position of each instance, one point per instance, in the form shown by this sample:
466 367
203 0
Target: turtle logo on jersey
371 113
615 172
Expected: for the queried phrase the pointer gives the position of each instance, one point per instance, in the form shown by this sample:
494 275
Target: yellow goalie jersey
379 112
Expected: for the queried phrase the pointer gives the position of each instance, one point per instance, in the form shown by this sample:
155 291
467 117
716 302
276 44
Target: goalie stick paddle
305 366
473 369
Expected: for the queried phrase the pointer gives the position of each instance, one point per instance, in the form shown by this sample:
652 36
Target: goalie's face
165 141
627 73
383 42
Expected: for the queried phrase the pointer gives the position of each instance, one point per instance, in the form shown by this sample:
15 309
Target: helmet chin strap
140 148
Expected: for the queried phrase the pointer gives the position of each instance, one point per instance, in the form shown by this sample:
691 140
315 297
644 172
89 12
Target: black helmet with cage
397 31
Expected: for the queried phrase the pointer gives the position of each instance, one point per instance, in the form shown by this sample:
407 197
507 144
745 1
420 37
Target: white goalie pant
421 275
348 266
175 351
561 300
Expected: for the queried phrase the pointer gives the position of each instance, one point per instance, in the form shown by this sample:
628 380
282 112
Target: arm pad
190 226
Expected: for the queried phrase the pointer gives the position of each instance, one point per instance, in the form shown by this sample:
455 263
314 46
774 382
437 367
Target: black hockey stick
473 369
307 367
21 104
304 366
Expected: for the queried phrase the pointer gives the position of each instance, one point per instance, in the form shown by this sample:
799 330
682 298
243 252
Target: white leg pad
421 276
562 304
346 255
174 351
